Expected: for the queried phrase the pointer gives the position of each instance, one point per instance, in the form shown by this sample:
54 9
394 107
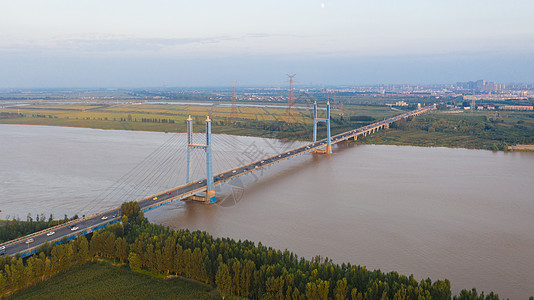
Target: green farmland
104 281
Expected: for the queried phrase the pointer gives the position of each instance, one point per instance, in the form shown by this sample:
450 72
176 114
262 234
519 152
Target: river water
464 215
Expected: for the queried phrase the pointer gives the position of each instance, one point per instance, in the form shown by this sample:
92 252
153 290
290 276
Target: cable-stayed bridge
199 186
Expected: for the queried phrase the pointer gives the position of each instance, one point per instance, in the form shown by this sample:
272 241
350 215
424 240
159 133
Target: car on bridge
104 218
74 227
29 241
155 198
50 233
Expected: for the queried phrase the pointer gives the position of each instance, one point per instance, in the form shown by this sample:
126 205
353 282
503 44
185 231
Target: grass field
252 121
104 281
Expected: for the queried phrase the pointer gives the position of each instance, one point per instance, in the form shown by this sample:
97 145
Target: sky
174 43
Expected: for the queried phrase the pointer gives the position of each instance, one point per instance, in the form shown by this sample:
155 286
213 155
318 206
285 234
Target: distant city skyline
209 43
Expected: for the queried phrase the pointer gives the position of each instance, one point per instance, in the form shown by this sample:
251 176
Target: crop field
156 117
102 281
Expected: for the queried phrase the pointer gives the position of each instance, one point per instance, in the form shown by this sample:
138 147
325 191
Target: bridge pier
210 191
189 122
328 148
209 196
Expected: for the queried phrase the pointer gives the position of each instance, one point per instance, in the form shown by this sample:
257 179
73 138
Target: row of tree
17 273
10 115
238 268
478 126
155 120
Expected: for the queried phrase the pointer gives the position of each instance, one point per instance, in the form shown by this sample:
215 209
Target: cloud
128 44
119 45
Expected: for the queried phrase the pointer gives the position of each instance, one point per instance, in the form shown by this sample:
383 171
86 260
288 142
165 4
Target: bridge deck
91 223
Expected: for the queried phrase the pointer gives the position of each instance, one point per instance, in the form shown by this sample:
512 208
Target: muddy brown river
464 215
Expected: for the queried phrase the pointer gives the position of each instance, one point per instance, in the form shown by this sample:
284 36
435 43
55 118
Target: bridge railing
28 236
54 228
68 237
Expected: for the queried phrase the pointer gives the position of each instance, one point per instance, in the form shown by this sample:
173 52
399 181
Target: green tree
108 244
134 262
178 260
188 264
80 247
355 295
340 291
236 271
169 253
3 283
223 281
121 249
95 247
133 212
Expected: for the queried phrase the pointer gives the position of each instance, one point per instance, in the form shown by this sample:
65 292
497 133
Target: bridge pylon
210 186
328 148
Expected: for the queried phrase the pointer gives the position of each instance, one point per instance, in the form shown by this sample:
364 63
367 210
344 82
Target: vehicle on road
50 233
29 241
104 218
155 198
169 193
234 171
115 215
74 228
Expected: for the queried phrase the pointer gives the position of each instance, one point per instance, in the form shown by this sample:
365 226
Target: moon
322 5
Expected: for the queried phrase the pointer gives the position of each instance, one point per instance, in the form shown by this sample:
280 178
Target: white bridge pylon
210 186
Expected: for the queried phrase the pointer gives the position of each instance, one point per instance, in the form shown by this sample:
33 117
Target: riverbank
259 121
505 130
135 259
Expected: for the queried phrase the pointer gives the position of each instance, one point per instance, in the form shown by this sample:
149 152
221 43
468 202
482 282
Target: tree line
155 120
490 128
236 268
10 115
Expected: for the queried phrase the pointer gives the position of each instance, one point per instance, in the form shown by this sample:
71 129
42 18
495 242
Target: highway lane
89 224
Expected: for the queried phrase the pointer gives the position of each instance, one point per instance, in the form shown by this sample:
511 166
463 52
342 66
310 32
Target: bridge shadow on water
236 196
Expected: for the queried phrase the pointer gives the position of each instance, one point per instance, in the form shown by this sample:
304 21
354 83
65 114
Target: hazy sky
94 43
